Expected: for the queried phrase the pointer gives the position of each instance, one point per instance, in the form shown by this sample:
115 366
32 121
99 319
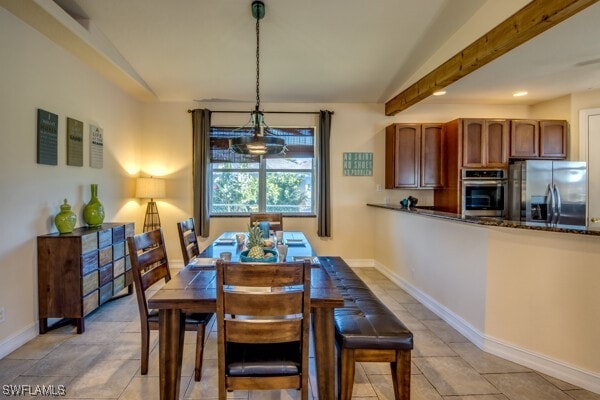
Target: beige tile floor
103 363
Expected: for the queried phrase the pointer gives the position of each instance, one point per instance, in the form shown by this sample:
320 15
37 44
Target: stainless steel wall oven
484 192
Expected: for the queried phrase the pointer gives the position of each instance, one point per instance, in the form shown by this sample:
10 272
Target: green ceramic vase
66 219
93 212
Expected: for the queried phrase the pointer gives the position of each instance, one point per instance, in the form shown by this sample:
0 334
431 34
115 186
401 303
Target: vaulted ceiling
316 51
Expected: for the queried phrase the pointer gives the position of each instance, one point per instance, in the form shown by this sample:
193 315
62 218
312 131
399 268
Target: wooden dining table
193 289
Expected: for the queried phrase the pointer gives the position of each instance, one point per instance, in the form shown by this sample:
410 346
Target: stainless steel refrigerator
553 192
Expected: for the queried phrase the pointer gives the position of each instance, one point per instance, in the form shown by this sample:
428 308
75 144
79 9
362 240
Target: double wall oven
484 192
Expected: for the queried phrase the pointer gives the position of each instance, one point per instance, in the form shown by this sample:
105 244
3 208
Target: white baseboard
558 369
17 340
360 263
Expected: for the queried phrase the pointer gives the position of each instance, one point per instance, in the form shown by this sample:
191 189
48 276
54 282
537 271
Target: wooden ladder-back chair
263 318
275 220
188 240
150 265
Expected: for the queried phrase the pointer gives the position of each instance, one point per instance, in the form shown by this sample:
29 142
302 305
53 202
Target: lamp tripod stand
152 219
151 188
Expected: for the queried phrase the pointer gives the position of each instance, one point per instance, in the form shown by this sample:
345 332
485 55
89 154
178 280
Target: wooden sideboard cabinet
80 271
545 139
414 156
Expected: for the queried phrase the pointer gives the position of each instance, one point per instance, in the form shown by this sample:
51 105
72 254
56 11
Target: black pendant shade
257 145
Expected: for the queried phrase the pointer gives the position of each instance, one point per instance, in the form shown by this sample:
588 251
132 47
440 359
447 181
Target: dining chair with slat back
188 240
149 264
265 346
275 220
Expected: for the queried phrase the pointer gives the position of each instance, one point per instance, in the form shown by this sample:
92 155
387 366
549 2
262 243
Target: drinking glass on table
279 237
282 251
240 238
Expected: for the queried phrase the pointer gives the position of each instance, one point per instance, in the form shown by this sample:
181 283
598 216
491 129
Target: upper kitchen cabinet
553 139
545 139
524 138
432 156
414 156
484 143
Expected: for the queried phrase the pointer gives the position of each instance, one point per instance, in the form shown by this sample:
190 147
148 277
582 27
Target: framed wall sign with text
47 138
358 164
74 142
96 147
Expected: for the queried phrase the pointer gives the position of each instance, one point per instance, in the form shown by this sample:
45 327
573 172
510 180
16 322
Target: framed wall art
74 142
47 137
358 164
96 147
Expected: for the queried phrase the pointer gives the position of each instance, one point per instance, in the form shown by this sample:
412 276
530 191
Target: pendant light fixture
258 143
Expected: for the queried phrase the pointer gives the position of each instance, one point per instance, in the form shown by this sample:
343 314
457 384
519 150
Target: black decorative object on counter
412 202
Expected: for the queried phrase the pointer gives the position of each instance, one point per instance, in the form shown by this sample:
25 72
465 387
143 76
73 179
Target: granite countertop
491 221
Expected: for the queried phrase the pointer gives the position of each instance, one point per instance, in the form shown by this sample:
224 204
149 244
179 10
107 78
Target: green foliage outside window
283 188
237 192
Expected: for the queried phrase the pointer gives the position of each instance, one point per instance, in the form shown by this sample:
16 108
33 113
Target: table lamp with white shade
150 188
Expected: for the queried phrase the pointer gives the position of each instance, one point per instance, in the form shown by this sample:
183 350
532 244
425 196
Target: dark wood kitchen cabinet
553 139
79 271
485 143
470 143
538 139
414 156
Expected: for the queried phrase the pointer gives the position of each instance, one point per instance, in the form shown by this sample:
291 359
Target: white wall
35 73
543 294
444 262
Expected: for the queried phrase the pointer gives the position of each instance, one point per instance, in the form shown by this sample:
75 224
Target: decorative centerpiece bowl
270 256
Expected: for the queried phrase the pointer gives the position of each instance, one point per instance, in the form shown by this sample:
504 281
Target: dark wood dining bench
367 331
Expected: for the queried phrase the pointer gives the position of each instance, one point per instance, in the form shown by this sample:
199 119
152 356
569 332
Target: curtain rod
266 112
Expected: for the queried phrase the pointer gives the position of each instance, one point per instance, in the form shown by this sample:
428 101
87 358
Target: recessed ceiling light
439 93
519 94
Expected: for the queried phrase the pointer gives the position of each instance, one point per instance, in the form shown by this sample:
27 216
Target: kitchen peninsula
525 292
492 221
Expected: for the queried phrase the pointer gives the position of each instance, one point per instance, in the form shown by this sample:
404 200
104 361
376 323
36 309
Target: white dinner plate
294 242
201 263
225 241
313 260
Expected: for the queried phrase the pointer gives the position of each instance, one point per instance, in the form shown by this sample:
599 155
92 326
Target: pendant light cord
258 144
257 63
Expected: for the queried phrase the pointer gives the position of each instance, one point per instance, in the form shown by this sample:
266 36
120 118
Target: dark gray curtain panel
323 168
201 159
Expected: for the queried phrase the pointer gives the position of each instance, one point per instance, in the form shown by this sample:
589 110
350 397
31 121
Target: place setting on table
258 244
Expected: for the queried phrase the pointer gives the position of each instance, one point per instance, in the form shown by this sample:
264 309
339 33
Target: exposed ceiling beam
533 19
